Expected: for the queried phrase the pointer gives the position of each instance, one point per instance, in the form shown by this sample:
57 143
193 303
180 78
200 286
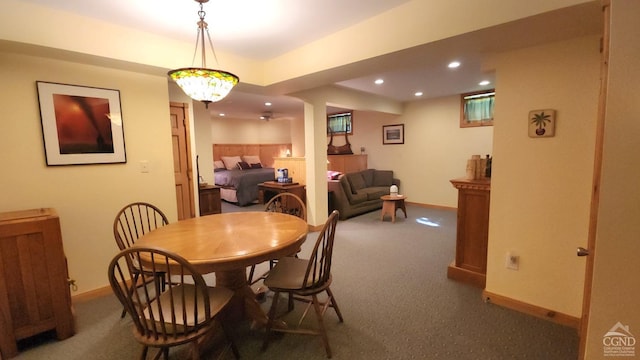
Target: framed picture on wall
393 134
80 124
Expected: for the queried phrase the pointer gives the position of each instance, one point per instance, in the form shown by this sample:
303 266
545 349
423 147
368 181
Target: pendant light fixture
203 84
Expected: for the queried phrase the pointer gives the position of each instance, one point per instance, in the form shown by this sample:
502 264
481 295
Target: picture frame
80 124
542 123
393 134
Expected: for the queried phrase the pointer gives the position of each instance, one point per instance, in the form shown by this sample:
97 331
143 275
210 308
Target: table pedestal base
244 303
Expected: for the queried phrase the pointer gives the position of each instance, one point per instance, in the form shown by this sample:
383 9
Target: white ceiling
267 28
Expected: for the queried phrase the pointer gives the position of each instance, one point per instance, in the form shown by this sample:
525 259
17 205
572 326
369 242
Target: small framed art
542 123
80 124
393 134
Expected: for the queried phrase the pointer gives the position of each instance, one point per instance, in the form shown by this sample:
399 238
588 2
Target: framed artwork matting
81 124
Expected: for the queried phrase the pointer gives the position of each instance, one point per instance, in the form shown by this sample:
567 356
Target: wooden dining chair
304 280
286 203
133 221
183 312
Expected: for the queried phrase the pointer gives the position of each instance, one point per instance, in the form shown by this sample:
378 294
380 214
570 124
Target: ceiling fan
270 115
266 115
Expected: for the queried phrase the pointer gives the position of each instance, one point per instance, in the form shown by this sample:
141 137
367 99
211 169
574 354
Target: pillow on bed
218 164
256 166
251 159
230 162
242 165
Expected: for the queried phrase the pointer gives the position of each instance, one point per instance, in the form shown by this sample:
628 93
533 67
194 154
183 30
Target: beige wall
435 148
86 197
615 290
238 131
541 187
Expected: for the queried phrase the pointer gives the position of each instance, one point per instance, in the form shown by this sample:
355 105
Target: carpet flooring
390 283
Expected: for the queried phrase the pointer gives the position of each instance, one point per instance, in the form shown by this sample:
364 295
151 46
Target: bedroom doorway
182 160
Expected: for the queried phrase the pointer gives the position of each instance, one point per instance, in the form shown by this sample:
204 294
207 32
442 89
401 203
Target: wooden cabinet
296 167
470 264
34 289
209 197
347 163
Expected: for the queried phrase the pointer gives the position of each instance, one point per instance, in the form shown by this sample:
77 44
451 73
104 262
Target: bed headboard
266 151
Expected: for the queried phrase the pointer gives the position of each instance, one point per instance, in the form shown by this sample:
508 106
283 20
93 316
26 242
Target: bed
239 168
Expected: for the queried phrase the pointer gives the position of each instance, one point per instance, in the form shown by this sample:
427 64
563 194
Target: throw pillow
251 159
367 175
256 166
242 165
357 182
230 162
333 175
383 178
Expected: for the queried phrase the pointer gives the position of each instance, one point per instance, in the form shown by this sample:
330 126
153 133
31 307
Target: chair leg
251 272
271 315
323 331
334 304
290 304
143 354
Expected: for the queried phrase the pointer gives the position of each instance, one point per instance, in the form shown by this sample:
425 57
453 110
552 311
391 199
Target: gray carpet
390 283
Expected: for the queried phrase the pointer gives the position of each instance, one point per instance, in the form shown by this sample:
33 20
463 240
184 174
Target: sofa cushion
374 193
358 198
383 178
356 181
346 188
367 175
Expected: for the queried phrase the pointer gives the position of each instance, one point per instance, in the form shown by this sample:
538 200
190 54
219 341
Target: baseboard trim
92 294
551 315
438 207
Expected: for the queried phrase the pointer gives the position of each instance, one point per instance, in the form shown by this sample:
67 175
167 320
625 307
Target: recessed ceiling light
222 114
484 83
267 104
379 81
453 64
418 93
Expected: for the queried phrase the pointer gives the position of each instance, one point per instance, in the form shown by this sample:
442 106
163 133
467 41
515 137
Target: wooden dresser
470 265
347 163
34 287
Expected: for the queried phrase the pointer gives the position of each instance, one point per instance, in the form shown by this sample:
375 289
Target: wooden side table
269 189
390 204
209 196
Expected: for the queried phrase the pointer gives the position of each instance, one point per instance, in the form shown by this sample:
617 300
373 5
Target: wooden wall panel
267 152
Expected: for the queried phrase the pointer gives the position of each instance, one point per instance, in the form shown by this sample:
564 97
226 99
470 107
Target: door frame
595 189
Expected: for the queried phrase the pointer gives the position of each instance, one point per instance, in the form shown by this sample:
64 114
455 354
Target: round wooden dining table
227 243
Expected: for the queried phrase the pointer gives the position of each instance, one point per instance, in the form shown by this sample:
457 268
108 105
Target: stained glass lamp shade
206 85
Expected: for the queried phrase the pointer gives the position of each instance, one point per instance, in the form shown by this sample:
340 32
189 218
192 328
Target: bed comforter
245 182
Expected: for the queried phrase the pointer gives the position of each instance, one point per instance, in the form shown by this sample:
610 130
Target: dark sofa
357 193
